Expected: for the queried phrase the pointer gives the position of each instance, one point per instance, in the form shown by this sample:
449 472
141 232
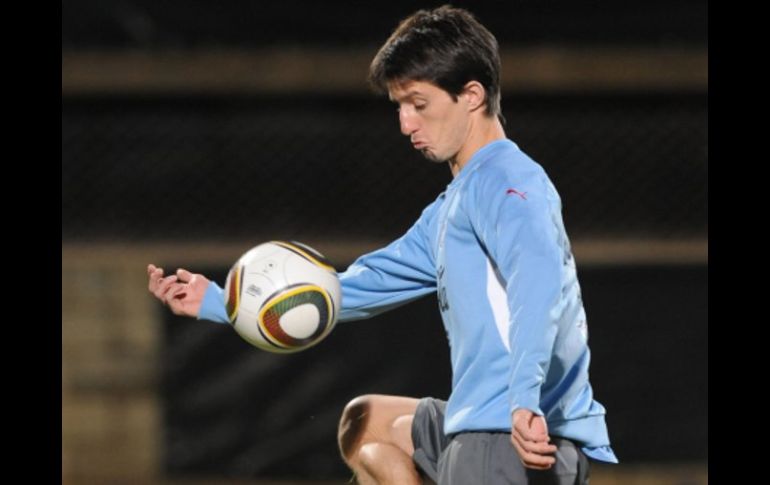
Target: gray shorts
484 458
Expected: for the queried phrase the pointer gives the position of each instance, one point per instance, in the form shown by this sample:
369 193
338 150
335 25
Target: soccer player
494 248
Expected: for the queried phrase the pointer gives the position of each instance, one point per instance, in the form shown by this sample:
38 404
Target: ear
475 94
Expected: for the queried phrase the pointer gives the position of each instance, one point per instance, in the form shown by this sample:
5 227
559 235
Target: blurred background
192 131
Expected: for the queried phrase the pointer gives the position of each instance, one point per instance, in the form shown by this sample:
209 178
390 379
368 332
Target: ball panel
277 305
301 321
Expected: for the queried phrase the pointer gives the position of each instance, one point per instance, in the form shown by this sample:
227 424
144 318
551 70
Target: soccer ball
282 296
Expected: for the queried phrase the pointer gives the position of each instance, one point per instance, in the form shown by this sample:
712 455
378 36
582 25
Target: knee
353 422
369 456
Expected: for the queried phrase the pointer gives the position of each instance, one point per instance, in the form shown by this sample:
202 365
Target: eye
420 107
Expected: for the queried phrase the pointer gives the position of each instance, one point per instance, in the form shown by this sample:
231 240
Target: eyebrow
408 95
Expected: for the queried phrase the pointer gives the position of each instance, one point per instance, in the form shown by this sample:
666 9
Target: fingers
530 455
184 275
163 285
182 291
539 447
155 274
529 435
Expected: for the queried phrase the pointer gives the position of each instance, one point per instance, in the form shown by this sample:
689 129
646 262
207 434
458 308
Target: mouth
419 145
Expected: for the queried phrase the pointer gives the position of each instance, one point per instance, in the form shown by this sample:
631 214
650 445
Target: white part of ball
266 271
301 321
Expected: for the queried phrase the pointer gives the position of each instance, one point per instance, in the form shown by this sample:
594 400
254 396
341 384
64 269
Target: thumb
538 426
183 275
522 418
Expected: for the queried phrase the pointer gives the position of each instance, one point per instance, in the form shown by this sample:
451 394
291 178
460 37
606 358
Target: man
493 246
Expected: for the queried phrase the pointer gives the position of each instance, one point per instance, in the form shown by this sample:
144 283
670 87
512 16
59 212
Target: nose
407 121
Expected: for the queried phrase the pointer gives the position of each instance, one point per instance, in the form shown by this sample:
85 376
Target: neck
482 131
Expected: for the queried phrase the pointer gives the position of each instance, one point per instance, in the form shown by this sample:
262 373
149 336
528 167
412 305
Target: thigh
428 436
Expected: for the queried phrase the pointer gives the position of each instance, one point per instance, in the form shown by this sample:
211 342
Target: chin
432 156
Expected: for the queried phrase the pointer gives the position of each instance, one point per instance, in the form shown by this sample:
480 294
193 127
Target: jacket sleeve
374 283
213 305
392 276
517 217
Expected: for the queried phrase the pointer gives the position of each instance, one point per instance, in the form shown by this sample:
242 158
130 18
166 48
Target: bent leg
375 439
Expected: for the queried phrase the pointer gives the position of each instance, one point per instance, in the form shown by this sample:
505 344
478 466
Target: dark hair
446 46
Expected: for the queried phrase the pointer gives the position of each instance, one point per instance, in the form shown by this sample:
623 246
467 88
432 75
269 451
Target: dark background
148 24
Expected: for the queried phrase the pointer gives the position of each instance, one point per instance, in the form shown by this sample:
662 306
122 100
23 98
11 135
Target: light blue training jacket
493 246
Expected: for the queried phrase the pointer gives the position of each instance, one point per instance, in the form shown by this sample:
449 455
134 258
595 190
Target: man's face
437 125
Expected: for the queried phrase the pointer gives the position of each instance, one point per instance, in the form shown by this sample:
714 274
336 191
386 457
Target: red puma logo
514 191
